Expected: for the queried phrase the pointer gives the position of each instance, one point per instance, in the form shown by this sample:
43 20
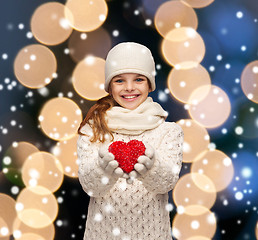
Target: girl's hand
145 163
107 162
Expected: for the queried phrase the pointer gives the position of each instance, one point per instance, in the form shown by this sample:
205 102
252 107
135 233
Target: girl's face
129 90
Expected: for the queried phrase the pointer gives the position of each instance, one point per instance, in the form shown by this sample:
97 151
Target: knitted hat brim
130 70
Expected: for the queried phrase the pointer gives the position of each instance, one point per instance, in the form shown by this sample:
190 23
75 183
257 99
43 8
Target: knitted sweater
136 211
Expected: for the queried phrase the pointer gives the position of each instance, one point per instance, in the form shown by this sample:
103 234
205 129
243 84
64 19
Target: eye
139 79
119 81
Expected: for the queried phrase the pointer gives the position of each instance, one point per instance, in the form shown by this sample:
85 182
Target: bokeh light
44 43
216 165
35 66
246 172
4 238
182 82
183 48
86 15
198 3
192 224
4 230
31 236
66 152
42 169
196 139
36 207
213 109
249 81
49 25
247 123
60 118
47 233
14 159
82 44
7 215
198 238
89 77
174 14
187 193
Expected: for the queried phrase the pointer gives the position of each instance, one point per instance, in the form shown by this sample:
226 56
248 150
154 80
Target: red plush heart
127 153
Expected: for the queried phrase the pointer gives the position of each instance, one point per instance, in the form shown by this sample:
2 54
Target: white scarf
146 116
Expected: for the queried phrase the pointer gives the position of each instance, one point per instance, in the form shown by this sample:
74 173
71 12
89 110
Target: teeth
130 96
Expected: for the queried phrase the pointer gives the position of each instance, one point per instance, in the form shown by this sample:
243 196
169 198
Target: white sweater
137 211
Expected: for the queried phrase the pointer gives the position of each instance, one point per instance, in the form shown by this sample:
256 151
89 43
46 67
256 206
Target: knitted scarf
146 116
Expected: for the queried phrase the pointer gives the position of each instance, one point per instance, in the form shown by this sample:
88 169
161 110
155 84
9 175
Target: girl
128 206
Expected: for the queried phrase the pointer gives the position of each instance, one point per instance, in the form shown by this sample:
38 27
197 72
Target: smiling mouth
130 96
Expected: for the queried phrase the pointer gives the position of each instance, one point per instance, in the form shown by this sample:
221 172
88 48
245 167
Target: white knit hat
129 57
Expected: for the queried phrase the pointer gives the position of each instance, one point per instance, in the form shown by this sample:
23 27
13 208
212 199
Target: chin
132 106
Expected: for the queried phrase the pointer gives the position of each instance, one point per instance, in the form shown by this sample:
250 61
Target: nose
129 86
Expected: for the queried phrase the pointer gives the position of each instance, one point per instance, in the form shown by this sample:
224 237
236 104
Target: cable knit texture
136 211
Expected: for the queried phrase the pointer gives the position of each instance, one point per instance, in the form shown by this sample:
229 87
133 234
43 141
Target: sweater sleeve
91 176
163 176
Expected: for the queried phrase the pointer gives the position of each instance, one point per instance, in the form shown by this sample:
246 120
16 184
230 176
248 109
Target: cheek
115 92
145 89
113 89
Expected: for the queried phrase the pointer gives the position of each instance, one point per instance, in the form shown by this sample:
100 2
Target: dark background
236 220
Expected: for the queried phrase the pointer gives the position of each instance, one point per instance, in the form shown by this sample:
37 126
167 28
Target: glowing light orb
89 77
66 152
196 139
239 196
7 215
249 81
183 48
34 66
197 220
86 15
198 238
36 207
4 230
16 155
174 14
49 25
60 118
187 192
198 3
246 126
47 233
31 236
210 106
43 169
182 82
216 165
246 172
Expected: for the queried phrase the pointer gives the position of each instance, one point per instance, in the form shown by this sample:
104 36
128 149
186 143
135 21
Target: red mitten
127 153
